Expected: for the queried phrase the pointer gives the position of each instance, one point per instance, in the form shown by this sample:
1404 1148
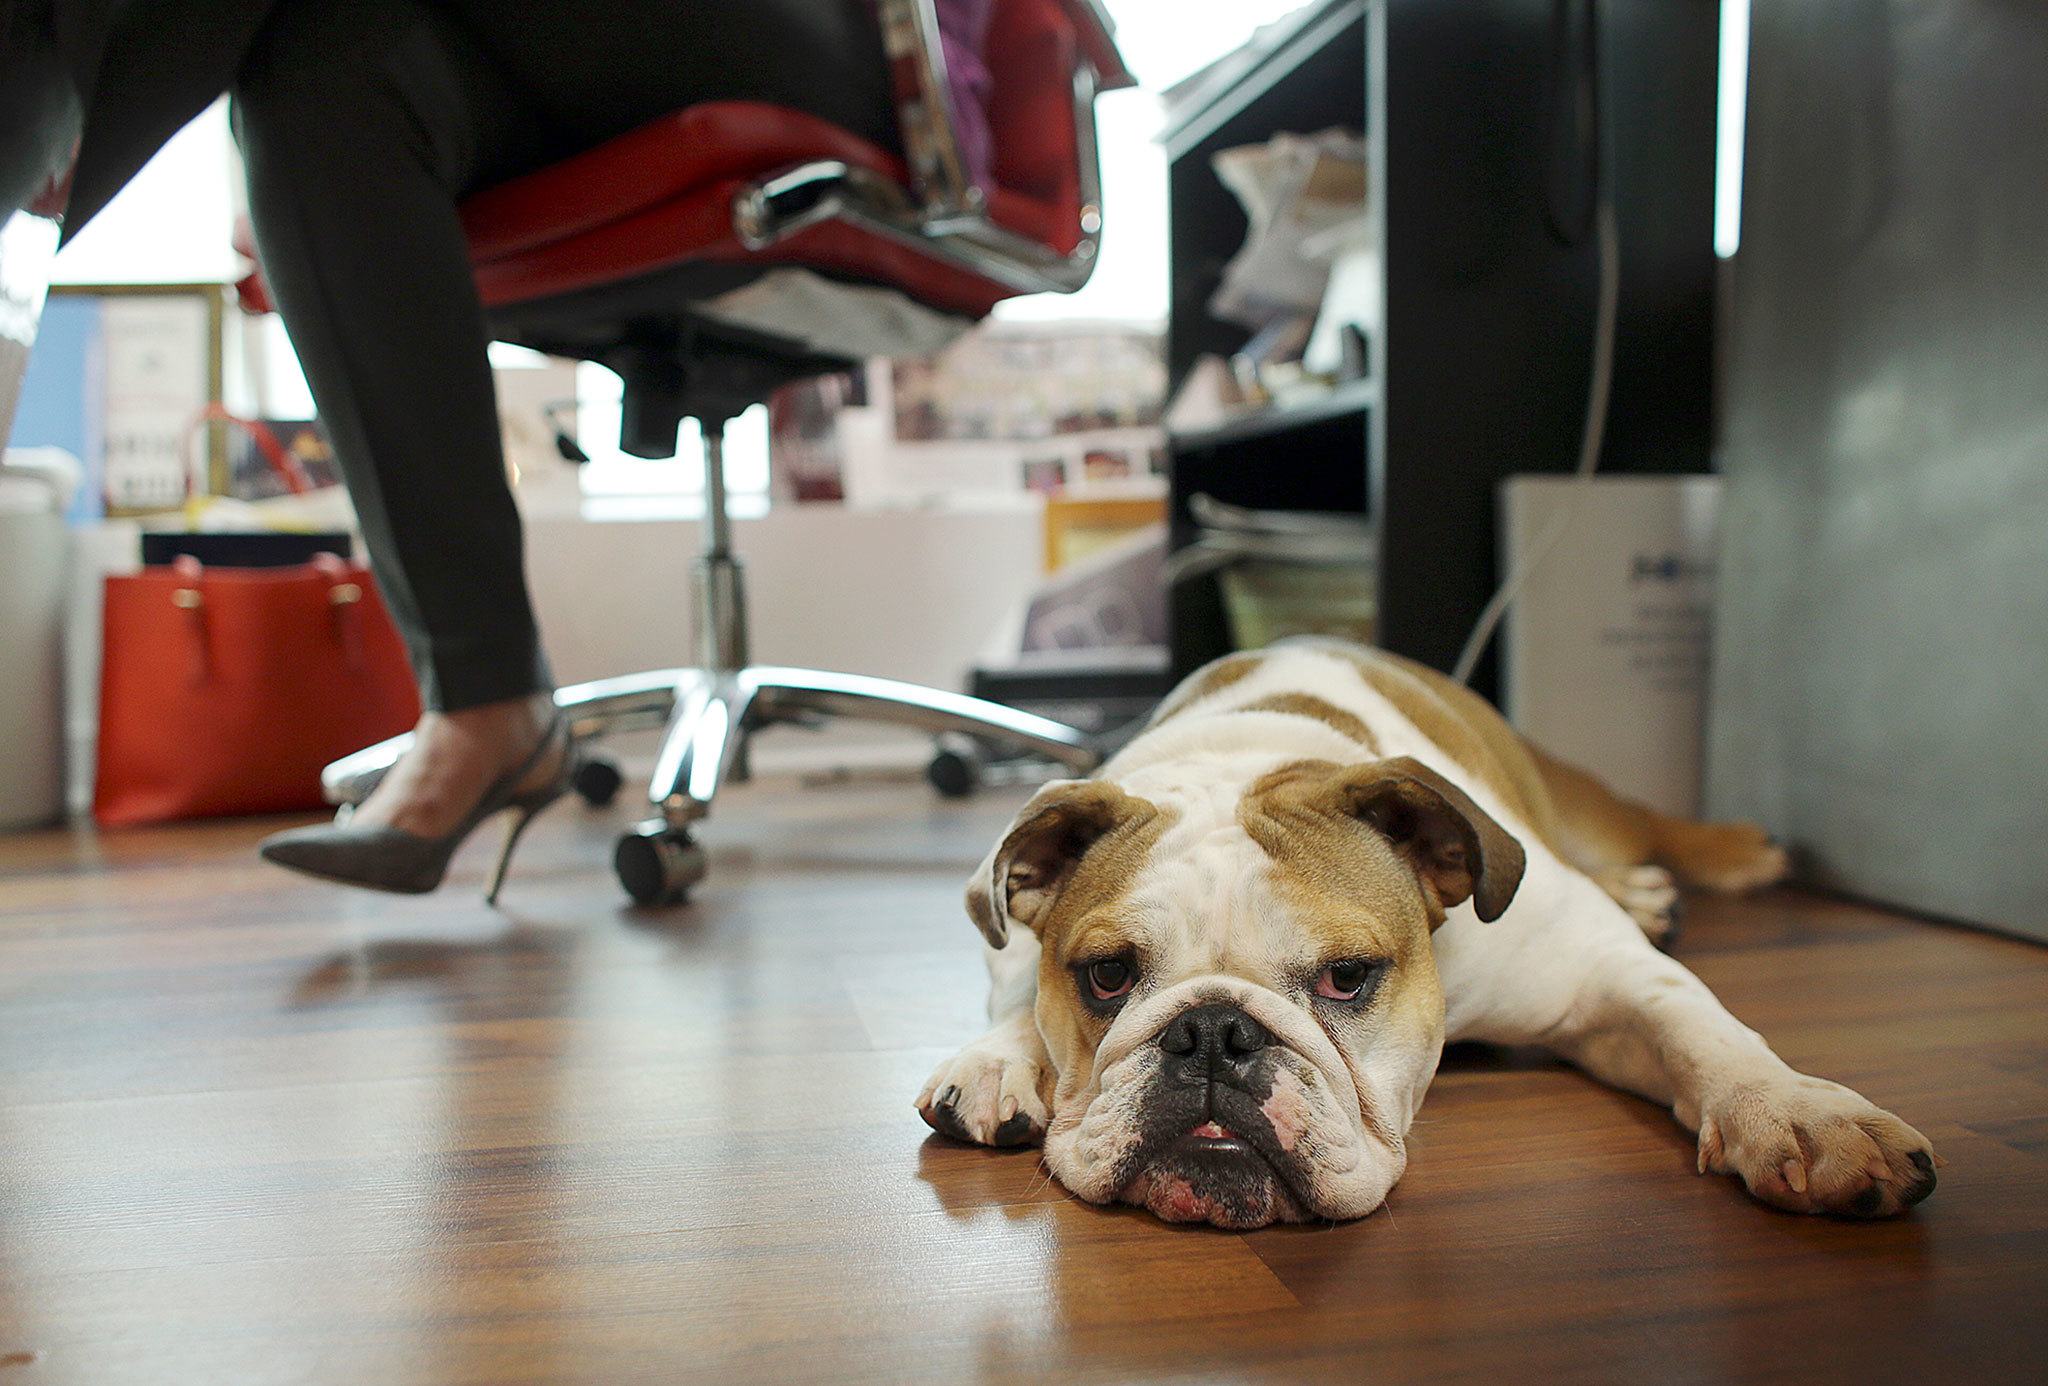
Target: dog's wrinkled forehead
1205 900
1252 889
1312 858
1182 881
1176 874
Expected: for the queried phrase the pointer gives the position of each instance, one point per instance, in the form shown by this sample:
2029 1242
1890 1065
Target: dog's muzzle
1209 1149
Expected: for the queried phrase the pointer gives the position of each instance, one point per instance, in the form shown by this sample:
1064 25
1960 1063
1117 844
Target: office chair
693 257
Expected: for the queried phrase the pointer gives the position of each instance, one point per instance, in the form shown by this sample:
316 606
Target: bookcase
1481 155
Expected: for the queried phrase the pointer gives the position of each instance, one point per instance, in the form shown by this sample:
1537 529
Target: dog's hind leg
998 1090
1609 838
1637 855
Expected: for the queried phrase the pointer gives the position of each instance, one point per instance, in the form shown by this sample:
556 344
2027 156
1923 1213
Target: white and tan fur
1201 848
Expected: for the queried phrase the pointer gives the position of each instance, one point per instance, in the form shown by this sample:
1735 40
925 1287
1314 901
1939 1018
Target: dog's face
1238 991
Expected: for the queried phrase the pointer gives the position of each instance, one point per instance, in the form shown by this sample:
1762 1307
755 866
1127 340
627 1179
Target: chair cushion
697 227
662 194
667 158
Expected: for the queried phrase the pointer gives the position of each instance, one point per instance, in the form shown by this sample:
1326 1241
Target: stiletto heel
505 854
529 808
408 864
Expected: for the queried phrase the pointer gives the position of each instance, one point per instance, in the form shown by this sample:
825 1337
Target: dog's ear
1044 846
1458 851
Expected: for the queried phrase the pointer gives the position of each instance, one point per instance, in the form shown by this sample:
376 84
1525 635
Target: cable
1589 445
1598 390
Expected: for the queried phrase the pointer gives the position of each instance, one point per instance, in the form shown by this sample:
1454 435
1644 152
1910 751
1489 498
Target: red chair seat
676 156
662 195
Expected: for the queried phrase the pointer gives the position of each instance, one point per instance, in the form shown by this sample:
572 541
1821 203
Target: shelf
1227 93
1352 397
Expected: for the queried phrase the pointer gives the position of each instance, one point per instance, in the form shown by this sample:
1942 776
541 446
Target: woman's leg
362 123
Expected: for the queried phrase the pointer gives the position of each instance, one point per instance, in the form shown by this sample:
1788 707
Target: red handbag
226 690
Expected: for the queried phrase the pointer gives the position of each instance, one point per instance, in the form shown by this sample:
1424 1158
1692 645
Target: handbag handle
189 597
344 602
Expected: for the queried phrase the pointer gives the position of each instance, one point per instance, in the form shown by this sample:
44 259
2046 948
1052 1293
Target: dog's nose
1214 1036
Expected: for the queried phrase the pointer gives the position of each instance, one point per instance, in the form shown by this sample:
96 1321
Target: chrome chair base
710 712
709 716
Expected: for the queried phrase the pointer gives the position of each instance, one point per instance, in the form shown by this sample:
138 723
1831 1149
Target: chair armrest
944 214
1097 33
926 116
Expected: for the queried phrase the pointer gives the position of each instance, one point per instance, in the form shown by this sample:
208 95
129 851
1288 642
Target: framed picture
1045 475
1013 409
139 363
1079 527
1030 381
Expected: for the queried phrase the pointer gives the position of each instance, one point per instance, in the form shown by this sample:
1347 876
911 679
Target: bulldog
1224 968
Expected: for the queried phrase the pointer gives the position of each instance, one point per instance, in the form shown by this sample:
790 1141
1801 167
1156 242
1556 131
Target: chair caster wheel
956 770
658 864
598 780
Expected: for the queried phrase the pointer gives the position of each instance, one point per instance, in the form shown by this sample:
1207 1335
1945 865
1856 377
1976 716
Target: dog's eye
1110 978
1343 981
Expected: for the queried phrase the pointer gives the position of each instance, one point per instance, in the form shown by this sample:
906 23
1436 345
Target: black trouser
363 123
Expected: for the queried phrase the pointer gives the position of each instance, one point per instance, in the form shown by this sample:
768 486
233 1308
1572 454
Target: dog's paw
993 1092
1811 1146
1650 896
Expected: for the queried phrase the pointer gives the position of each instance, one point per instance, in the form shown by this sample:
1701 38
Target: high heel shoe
405 863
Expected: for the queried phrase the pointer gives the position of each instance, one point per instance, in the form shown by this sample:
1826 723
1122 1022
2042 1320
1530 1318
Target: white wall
907 595
913 595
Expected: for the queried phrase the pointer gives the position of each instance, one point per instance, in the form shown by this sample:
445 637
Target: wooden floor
258 1130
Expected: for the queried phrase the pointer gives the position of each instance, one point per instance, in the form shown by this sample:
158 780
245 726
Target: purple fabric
963 35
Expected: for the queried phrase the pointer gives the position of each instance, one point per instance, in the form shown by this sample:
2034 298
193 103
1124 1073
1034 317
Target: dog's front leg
1591 987
997 1091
